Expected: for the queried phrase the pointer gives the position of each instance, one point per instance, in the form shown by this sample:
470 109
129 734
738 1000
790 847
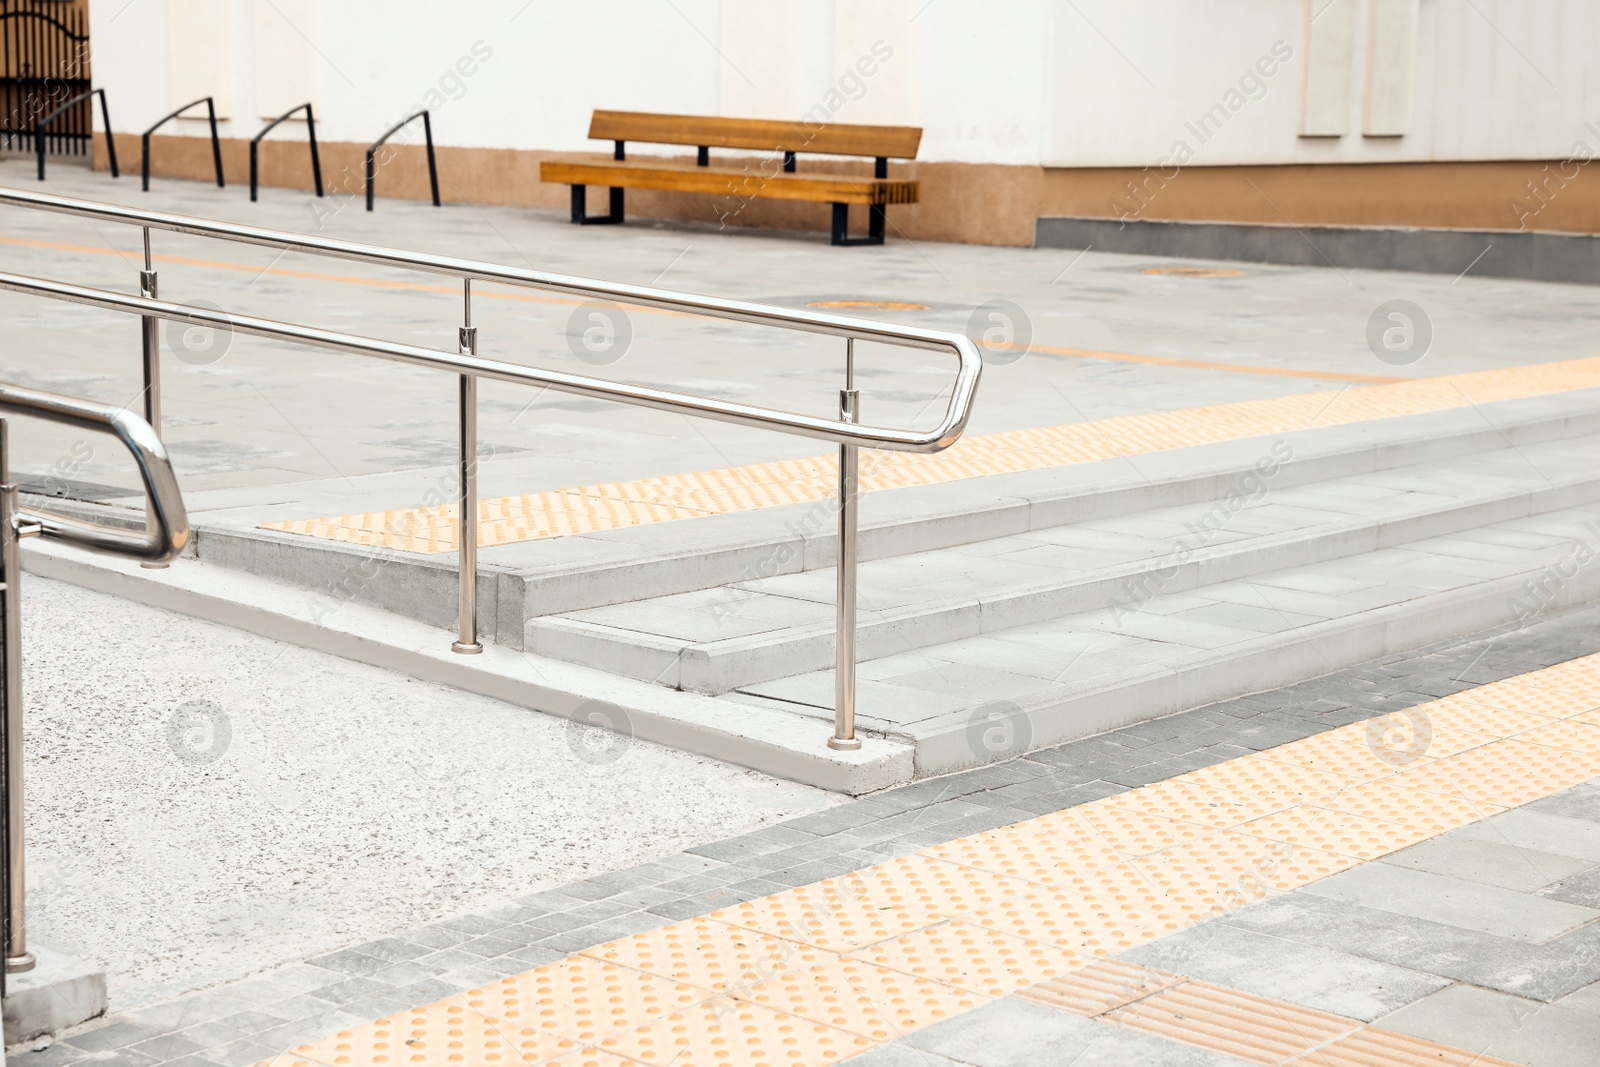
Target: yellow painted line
812 975
493 294
594 508
1231 368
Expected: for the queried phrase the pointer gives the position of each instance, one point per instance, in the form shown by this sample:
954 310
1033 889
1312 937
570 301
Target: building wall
1363 112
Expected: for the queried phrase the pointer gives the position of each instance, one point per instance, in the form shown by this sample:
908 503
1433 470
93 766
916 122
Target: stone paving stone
1310 976
1454 901
116 1035
1015 1033
1586 999
1498 1024
168 1047
1524 870
1581 889
1577 838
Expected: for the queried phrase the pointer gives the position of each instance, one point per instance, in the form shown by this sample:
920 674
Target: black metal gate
44 62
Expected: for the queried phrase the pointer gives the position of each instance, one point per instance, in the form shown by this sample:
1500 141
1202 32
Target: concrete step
568 574
983 699
754 631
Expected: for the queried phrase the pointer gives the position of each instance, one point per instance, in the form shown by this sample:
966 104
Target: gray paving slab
1454 902
1497 1024
1270 966
1476 859
1016 1033
1534 829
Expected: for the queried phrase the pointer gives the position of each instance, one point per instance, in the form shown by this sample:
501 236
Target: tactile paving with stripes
1253 1028
592 508
816 974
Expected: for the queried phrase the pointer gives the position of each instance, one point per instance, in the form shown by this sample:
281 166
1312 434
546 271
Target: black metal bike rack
105 113
311 129
427 133
216 145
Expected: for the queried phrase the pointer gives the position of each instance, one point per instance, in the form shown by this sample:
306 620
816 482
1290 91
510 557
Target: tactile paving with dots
1083 925
588 509
1215 808
1238 865
1435 813
928 936
862 998
1040 858
728 1032
447 1034
1353 759
709 954
1127 830
971 957
872 904
1338 832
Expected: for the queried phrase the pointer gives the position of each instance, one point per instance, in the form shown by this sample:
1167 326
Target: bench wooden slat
729 181
834 138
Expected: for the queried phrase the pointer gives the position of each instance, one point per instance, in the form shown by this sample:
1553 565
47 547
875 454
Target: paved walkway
1391 865
263 432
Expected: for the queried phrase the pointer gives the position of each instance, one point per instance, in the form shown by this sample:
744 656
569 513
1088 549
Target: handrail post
844 675
150 333
17 956
433 170
216 145
467 504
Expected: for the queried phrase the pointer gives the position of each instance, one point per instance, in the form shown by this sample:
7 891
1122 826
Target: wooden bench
769 178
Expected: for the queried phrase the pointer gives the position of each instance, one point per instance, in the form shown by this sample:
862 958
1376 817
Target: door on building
44 62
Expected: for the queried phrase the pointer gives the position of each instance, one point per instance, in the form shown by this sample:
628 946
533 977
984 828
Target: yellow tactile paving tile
1127 830
1435 813
1241 865
862 998
1252 1028
447 1034
1043 858
709 954
1100 987
727 1032
1085 925
814 974
873 904
1338 832
971 958
1216 809
586 509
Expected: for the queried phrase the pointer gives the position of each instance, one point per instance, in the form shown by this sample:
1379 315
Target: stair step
985 698
568 574
718 640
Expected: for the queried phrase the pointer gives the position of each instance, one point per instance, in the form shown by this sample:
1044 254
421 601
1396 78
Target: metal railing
165 535
847 431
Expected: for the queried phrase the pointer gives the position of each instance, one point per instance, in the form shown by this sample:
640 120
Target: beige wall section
287 63
1467 196
890 97
977 203
198 32
1330 48
760 72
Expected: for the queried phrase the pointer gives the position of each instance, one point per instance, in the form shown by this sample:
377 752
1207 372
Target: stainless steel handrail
846 431
165 535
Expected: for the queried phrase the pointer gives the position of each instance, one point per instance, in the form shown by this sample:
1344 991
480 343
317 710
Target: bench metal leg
580 214
876 218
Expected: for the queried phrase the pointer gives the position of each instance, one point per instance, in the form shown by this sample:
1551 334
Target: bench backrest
834 138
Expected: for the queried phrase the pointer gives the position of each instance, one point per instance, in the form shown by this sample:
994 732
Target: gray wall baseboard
1546 257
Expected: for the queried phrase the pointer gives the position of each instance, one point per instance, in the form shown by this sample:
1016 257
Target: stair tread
798 606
